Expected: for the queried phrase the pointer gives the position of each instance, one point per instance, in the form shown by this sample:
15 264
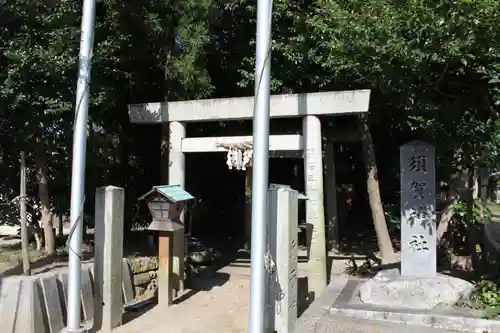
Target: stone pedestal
389 289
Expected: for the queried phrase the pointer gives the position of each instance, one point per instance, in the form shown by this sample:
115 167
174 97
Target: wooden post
165 271
24 222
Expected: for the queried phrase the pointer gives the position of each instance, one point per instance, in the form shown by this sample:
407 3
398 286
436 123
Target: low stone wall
144 271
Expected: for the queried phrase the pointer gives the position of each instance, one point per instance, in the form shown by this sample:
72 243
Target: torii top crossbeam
281 106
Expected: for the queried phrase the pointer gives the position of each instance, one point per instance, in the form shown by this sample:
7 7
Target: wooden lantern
165 203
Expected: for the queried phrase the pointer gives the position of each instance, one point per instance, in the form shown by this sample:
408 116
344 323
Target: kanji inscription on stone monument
419 243
418 216
417 163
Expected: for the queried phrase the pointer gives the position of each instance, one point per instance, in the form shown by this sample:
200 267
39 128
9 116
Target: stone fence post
108 276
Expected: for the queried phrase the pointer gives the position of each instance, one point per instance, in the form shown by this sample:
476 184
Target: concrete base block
347 303
78 330
391 290
449 321
320 318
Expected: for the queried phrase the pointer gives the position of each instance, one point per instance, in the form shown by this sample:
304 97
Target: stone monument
418 210
416 285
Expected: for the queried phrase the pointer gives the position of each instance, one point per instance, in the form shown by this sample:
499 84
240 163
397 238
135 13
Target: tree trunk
444 220
457 186
43 193
37 234
472 235
372 185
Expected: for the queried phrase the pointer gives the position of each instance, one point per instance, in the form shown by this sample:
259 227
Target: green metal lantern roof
173 193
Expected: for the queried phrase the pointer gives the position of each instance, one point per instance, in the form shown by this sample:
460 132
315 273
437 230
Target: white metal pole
78 168
260 167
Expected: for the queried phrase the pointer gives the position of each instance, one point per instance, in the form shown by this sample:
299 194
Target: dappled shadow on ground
135 312
208 278
205 282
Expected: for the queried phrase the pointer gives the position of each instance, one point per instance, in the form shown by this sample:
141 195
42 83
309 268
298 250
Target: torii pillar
176 176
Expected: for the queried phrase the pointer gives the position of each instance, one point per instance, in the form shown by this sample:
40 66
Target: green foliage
479 212
433 68
430 58
465 225
491 146
486 297
392 217
487 293
39 43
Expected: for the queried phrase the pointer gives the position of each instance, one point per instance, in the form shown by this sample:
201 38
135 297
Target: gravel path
221 306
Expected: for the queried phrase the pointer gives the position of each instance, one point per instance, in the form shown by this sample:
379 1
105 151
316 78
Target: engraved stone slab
418 212
52 302
282 245
127 285
87 296
10 291
63 289
29 310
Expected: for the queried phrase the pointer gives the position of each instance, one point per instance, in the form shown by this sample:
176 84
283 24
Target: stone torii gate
307 106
